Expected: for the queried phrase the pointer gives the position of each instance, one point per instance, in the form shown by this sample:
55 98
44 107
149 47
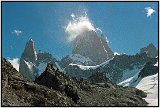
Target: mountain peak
27 62
29 51
150 50
86 44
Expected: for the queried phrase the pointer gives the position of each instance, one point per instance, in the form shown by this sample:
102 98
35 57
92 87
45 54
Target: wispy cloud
149 11
17 32
77 25
15 63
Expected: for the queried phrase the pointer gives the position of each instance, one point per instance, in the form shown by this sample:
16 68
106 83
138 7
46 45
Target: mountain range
91 76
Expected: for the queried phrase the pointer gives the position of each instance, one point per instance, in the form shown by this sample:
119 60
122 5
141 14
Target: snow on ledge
91 67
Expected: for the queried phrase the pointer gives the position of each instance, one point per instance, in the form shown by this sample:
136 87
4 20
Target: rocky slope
18 91
87 42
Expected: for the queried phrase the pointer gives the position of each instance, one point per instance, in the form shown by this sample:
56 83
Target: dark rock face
75 71
72 93
149 69
52 78
150 50
48 78
88 42
98 77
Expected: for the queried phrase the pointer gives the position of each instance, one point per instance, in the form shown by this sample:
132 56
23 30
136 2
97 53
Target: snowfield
148 84
29 64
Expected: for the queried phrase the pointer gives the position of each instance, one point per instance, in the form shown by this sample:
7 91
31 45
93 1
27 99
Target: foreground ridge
18 91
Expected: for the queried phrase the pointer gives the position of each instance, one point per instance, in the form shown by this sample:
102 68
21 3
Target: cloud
77 25
15 63
17 32
149 11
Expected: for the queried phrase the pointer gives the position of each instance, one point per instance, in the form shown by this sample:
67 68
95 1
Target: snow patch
116 53
15 63
156 64
29 64
41 68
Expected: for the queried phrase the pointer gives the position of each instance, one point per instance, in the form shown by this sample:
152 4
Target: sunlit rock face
27 62
88 44
29 51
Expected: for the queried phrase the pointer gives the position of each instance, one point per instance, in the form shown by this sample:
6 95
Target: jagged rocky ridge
18 91
150 50
32 64
114 69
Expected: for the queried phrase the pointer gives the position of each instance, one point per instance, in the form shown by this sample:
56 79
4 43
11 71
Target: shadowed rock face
88 44
49 78
52 78
149 69
150 50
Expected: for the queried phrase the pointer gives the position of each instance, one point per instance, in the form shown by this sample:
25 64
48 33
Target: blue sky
125 24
